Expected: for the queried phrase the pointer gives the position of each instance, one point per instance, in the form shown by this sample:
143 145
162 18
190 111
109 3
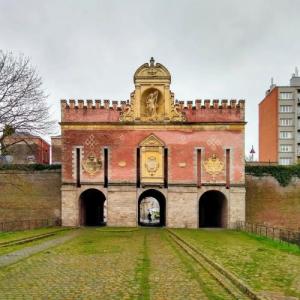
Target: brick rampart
37 195
269 203
29 195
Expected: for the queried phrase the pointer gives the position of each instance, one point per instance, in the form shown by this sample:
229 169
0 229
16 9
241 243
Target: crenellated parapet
92 110
213 110
211 104
93 104
193 111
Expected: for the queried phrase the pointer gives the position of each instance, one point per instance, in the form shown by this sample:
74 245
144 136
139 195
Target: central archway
92 208
152 208
213 209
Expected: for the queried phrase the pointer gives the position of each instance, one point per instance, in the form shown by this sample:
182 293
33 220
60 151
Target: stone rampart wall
269 203
30 195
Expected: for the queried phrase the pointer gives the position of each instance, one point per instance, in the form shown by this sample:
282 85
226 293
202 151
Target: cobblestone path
142 264
175 276
94 265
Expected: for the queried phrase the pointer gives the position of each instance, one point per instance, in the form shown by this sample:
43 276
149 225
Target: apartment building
279 123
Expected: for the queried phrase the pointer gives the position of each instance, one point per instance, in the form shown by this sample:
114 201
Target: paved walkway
134 265
13 257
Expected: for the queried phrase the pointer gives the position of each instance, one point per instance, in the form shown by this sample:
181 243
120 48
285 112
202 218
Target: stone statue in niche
151 104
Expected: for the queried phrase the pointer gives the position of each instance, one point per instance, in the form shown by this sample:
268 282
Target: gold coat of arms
213 166
152 165
92 164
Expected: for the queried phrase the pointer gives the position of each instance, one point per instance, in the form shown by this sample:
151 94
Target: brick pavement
104 265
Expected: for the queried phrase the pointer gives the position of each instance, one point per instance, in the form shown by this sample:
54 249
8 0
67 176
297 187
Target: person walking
149 217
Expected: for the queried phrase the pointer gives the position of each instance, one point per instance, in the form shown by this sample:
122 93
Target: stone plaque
152 160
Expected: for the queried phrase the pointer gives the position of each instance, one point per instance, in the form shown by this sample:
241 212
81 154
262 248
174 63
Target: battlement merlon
213 110
195 111
120 105
93 104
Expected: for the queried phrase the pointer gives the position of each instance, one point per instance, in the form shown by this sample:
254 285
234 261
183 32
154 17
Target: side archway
92 208
152 208
213 210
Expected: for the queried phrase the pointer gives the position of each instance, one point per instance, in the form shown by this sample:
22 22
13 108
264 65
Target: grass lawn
263 264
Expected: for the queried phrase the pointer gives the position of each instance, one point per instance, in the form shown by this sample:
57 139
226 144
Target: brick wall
268 202
268 127
30 195
181 144
28 149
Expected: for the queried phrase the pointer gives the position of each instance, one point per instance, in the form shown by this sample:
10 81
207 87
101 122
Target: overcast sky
213 49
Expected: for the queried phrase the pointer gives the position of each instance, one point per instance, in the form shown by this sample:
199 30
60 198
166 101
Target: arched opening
213 209
152 208
92 208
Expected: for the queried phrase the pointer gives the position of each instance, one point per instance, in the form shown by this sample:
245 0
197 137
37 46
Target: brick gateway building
190 158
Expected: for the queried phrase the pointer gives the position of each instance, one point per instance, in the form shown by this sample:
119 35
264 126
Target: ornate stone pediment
152 141
152 100
154 71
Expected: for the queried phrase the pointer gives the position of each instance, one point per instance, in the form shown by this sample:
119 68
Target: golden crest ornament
213 166
152 165
92 164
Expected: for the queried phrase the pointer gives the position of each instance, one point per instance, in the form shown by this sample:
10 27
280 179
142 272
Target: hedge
29 167
283 174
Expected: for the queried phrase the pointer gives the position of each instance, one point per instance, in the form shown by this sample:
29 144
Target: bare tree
23 106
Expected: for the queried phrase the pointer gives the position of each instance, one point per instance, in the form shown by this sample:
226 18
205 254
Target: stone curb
16 256
30 239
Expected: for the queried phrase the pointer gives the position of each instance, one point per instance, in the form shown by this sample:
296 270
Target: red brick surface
269 203
268 127
182 146
23 146
220 112
122 140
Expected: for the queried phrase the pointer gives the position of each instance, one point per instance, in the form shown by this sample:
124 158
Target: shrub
283 174
31 167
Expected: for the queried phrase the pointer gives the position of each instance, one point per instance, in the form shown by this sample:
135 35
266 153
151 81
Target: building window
285 161
285 134
286 108
286 96
286 122
285 148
